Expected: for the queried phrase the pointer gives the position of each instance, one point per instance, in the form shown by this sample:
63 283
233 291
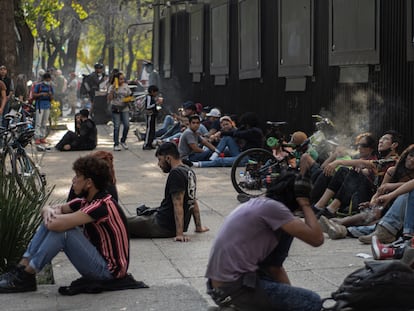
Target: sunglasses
364 145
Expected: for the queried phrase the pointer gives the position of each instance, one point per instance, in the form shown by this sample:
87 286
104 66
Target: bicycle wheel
249 171
27 175
7 162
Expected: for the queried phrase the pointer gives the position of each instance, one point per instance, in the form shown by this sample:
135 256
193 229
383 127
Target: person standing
43 94
245 267
92 83
8 82
72 92
151 116
117 96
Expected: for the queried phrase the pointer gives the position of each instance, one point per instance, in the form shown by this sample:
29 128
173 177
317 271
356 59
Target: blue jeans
289 298
409 215
45 245
166 125
117 119
230 145
393 220
201 156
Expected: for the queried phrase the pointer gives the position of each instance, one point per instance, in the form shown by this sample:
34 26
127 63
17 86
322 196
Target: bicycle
15 162
254 169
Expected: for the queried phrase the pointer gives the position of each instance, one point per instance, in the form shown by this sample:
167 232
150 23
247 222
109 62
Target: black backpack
380 285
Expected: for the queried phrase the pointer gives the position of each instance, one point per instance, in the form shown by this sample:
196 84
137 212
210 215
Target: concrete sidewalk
174 271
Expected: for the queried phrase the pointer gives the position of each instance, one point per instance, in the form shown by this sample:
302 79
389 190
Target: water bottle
241 175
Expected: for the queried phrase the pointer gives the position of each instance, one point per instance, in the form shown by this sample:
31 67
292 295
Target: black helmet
98 66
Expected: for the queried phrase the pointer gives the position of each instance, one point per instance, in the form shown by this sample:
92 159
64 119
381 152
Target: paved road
174 271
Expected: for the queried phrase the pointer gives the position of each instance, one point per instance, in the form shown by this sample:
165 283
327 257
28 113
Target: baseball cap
190 105
298 138
226 118
214 113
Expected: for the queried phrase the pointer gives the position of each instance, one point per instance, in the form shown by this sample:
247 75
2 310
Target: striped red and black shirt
108 233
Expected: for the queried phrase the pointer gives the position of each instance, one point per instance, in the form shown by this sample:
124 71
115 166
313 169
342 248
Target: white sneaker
214 156
117 148
124 145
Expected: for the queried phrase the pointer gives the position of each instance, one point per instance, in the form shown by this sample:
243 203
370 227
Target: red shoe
43 141
38 142
381 251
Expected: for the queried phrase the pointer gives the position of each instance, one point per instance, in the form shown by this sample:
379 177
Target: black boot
17 280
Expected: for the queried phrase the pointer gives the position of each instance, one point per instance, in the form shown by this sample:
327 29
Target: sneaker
325 212
214 156
137 134
316 210
381 251
383 235
124 145
17 281
334 230
117 148
147 148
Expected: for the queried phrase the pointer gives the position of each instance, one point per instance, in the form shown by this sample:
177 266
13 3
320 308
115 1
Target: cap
84 112
3 67
190 105
214 113
226 118
298 138
98 66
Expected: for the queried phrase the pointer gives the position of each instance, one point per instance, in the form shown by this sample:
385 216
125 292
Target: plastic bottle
241 175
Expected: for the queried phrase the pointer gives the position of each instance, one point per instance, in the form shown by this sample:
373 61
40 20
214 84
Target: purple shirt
246 238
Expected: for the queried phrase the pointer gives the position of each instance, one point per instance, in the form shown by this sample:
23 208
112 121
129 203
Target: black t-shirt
181 178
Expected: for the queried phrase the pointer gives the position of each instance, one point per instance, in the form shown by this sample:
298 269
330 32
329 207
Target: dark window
295 38
410 30
196 38
166 51
354 32
249 39
219 23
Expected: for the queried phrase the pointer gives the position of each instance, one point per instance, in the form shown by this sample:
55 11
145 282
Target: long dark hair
400 170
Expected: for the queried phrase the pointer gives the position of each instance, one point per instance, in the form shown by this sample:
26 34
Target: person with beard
173 216
91 231
245 267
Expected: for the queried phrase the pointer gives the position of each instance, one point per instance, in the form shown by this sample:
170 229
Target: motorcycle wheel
248 173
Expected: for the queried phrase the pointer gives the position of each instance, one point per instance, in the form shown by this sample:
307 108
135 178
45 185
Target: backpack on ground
380 285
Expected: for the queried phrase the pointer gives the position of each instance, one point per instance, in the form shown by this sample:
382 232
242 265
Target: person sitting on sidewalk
173 216
245 266
99 252
84 138
235 141
361 183
190 141
362 222
399 219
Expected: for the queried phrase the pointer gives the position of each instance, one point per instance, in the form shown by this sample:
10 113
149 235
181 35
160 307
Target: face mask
46 82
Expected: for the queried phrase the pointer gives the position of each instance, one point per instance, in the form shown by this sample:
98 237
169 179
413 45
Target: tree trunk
73 43
8 47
